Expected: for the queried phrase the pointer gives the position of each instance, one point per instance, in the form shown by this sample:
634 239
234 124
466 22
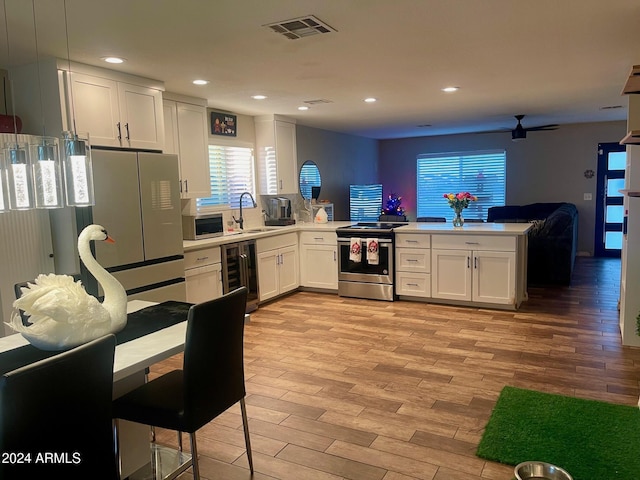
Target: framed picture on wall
223 124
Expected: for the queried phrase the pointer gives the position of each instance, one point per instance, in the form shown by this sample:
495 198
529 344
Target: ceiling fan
520 132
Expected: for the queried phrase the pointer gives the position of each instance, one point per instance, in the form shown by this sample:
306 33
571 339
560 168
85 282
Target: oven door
363 271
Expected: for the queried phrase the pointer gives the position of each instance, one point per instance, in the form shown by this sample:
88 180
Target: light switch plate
588 196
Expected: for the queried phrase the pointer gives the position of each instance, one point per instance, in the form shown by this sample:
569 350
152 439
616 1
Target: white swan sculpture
62 313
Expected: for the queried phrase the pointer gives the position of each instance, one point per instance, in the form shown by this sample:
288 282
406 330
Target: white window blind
365 202
481 173
231 173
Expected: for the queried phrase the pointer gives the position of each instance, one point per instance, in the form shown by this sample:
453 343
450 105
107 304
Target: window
482 174
365 202
231 173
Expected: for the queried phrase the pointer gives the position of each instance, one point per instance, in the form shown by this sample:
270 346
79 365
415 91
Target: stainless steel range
366 260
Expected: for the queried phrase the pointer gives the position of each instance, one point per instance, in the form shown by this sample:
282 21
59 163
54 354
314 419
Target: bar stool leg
247 440
194 457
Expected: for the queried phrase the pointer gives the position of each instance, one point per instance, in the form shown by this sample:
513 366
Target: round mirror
309 180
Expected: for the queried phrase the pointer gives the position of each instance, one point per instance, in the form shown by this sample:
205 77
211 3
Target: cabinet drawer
415 284
276 241
318 238
204 256
413 240
413 260
501 243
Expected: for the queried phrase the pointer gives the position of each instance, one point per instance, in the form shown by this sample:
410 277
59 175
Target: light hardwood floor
364 390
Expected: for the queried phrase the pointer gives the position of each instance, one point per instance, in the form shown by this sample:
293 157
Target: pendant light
4 206
20 187
78 172
46 170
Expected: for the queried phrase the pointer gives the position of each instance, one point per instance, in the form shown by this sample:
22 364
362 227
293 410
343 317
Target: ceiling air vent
317 102
300 27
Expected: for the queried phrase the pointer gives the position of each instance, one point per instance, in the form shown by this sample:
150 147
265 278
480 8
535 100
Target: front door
612 160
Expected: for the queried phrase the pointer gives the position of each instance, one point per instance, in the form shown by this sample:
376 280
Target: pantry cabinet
277 155
319 260
474 268
186 134
277 265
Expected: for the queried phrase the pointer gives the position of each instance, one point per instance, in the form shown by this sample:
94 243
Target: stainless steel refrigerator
138 202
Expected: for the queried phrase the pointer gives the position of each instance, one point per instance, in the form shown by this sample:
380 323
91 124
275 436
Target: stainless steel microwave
202 226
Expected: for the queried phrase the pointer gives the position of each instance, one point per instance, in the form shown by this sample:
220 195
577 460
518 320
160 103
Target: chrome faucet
240 221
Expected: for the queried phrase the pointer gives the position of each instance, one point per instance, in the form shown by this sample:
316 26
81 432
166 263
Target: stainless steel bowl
540 471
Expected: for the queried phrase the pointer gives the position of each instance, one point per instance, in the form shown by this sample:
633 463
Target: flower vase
458 221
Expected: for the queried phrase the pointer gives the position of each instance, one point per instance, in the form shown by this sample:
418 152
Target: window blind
481 173
365 202
231 173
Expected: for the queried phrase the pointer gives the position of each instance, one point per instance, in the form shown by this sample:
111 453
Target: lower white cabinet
319 260
277 267
413 265
486 274
203 274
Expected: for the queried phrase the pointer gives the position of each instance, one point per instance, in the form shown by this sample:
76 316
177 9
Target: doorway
612 162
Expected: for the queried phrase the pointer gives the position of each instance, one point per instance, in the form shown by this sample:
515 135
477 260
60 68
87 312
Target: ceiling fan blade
542 127
502 130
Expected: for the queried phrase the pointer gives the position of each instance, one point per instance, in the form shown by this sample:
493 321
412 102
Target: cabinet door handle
280 184
472 243
126 125
335 256
180 182
119 132
318 238
468 262
200 259
475 262
412 260
186 186
281 259
412 284
411 241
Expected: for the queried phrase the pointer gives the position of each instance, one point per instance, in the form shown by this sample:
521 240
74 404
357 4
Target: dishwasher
240 268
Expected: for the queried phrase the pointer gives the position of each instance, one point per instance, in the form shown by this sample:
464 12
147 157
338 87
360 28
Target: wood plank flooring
341 388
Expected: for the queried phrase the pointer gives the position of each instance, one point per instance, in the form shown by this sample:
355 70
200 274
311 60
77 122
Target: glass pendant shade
19 177
78 171
47 173
4 204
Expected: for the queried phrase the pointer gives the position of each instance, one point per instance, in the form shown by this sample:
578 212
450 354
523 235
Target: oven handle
381 241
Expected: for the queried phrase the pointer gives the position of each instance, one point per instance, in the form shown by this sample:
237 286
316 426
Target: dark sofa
553 238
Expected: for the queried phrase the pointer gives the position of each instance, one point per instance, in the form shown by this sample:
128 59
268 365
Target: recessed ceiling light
450 89
303 108
370 100
200 82
113 59
259 97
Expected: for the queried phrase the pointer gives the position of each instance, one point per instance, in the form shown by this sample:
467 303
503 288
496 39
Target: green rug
591 440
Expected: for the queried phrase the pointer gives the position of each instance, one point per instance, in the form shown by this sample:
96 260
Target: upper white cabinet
117 114
277 156
115 109
186 134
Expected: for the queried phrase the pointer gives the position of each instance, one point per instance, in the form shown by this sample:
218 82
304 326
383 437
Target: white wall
546 167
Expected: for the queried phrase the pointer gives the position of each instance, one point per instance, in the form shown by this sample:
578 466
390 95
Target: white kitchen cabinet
277 155
116 109
277 265
474 268
117 114
319 260
413 265
203 274
186 134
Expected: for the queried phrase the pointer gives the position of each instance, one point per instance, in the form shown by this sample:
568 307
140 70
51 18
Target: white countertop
413 227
